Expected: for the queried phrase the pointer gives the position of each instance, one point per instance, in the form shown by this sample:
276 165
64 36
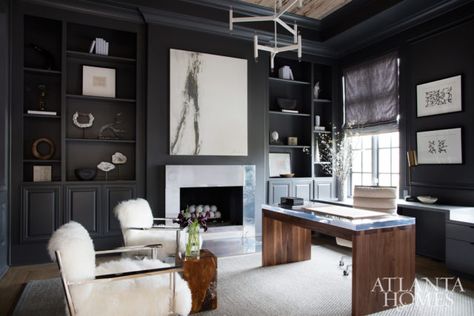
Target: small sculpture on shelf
275 138
42 97
316 90
106 167
85 125
112 130
119 159
39 153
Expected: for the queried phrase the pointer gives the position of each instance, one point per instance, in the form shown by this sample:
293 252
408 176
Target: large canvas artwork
208 104
439 147
438 97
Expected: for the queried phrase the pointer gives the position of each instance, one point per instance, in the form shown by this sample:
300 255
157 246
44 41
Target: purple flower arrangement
188 217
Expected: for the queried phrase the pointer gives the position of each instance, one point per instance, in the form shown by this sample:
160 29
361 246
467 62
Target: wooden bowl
287 175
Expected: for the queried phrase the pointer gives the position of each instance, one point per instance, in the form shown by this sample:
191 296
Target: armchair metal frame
164 227
120 276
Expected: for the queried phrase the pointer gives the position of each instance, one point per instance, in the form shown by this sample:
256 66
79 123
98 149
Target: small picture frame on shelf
439 97
279 163
442 146
42 173
98 81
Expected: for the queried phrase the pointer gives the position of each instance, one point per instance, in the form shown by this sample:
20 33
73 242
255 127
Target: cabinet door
323 190
113 195
83 206
277 190
430 232
39 211
303 189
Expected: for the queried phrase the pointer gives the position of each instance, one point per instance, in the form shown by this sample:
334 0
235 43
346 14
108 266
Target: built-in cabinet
40 211
46 207
430 231
278 188
308 161
460 247
47 77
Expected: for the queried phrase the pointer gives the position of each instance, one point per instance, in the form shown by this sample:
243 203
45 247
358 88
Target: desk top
462 214
362 224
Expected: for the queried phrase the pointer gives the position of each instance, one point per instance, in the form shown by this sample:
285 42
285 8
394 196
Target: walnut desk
383 250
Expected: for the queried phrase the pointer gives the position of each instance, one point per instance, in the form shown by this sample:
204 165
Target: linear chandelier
275 49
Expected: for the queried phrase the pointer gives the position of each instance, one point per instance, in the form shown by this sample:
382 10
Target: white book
98 45
290 111
91 49
106 48
50 113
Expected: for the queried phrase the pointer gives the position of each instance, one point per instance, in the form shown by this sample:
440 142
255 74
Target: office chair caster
346 270
341 261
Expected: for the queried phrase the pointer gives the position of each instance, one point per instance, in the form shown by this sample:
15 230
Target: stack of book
100 46
319 128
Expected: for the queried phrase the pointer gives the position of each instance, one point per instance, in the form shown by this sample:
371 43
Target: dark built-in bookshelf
53 53
61 74
307 159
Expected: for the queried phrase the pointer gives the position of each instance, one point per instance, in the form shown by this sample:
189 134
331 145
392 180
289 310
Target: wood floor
11 285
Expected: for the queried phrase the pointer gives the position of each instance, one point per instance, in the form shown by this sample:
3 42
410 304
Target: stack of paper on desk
347 212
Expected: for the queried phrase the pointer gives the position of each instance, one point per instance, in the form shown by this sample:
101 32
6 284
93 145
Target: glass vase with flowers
193 221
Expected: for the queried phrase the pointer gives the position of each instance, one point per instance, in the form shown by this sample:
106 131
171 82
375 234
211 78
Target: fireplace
225 204
229 188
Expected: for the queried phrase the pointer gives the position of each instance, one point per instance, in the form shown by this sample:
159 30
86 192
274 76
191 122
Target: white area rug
315 287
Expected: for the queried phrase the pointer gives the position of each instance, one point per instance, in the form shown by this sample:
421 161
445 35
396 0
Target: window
375 160
371 110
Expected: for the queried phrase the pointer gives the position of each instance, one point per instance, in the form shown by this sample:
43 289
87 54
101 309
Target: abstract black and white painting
208 104
438 97
442 146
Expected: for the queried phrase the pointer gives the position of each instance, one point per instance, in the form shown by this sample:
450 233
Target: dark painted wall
160 40
4 41
437 49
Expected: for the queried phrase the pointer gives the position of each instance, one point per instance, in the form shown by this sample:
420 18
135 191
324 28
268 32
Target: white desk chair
380 199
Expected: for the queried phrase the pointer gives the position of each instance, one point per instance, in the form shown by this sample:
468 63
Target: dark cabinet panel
82 206
303 189
430 232
113 195
40 212
278 189
323 190
460 255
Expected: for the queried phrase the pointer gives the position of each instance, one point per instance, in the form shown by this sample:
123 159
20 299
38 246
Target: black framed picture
439 97
442 146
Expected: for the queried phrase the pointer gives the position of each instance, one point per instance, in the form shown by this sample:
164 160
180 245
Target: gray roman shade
371 94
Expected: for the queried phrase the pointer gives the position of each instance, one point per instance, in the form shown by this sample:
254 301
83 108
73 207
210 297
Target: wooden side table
201 275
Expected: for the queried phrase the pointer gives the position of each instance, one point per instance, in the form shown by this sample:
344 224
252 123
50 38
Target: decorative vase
193 246
341 190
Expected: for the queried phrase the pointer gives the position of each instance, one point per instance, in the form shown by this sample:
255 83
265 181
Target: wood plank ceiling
316 9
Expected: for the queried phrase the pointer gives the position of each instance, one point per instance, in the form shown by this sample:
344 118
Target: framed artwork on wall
98 81
438 97
442 146
279 163
208 104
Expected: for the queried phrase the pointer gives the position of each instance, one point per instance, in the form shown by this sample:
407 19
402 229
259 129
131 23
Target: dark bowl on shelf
85 174
287 104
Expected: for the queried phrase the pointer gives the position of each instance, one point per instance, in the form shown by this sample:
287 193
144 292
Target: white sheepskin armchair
137 214
147 295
